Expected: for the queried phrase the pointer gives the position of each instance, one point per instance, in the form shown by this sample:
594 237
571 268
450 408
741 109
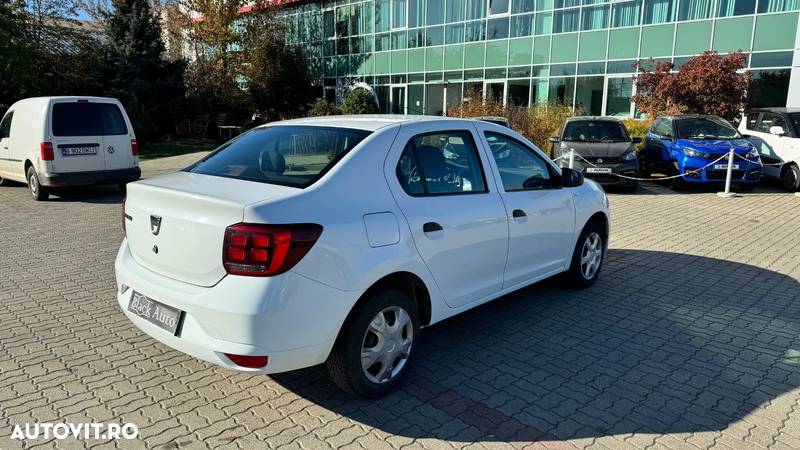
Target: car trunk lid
176 223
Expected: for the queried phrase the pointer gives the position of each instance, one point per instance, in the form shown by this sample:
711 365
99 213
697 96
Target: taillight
47 151
134 147
266 250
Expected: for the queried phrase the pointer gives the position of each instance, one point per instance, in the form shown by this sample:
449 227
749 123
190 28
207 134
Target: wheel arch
402 280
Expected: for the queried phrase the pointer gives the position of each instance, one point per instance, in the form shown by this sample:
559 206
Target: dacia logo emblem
600 160
155 224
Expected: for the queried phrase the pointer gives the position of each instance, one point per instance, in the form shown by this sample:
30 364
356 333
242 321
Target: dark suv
605 143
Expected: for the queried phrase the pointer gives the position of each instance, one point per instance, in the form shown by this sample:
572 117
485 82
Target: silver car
602 148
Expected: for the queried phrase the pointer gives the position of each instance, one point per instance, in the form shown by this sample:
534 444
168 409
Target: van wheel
587 259
38 192
790 177
374 352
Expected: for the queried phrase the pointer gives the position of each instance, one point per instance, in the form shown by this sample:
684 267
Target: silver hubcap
34 184
591 255
387 344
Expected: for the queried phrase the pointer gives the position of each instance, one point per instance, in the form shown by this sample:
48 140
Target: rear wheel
38 192
374 352
587 259
790 177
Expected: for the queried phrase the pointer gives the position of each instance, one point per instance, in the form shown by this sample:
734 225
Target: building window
768 88
625 14
695 9
435 12
522 6
522 25
498 28
658 11
415 13
476 9
499 7
399 11
454 11
727 8
475 31
595 18
454 34
768 6
565 21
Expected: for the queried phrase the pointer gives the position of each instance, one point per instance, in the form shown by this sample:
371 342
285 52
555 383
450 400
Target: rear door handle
518 213
430 227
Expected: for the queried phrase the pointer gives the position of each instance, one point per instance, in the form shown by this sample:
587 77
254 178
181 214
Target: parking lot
690 339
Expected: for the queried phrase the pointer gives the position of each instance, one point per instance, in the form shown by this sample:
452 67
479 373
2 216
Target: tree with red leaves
706 84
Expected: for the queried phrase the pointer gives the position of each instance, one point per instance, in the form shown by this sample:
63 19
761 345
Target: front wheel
790 177
587 259
38 192
375 350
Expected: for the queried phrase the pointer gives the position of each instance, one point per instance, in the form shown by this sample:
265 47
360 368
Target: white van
67 141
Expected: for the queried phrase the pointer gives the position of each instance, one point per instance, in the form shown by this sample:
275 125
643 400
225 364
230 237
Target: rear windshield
705 128
594 131
88 119
286 154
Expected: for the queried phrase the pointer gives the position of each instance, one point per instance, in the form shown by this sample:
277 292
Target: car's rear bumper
89 178
289 318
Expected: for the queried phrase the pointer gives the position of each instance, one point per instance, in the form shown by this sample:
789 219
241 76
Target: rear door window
88 119
289 155
441 163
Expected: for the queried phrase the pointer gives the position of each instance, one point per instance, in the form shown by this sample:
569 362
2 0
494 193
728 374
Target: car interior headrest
271 161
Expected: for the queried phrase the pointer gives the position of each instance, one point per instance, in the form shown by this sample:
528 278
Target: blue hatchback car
679 144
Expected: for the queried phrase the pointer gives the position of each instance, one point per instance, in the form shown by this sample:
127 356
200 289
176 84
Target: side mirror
636 140
555 139
777 130
571 177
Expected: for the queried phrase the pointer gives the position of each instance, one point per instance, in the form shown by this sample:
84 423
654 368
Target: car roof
593 118
369 122
775 109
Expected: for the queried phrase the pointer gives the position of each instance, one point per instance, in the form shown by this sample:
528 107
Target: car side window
441 163
520 167
752 120
769 120
5 125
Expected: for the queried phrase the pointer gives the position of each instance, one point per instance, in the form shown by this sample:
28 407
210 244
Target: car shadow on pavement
662 343
80 194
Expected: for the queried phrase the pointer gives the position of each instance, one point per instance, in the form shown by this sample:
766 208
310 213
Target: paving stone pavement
690 339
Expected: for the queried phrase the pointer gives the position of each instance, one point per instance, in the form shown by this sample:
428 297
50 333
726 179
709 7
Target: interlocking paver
690 339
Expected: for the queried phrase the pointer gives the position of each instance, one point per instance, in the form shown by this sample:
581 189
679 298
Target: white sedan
333 240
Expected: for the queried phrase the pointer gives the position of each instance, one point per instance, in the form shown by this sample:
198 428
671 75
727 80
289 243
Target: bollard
728 176
571 158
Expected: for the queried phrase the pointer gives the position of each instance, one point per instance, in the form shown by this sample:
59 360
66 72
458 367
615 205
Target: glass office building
423 56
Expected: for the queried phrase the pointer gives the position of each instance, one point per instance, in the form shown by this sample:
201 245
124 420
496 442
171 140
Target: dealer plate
157 313
598 170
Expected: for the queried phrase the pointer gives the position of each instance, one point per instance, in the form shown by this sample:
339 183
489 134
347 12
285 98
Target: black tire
344 363
677 183
790 177
38 192
575 276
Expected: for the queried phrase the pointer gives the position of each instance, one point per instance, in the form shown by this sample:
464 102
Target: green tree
322 107
16 57
150 88
277 75
360 101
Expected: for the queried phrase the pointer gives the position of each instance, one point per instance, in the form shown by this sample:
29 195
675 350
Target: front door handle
430 227
518 213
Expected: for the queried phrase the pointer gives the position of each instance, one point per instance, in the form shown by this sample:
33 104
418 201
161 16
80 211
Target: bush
637 128
323 107
537 123
360 101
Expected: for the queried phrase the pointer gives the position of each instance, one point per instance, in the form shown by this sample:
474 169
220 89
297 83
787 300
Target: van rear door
78 129
117 138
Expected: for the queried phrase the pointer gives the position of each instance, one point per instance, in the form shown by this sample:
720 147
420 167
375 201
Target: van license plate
598 170
154 312
78 151
725 166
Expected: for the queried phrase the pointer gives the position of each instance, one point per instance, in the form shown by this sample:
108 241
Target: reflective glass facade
423 56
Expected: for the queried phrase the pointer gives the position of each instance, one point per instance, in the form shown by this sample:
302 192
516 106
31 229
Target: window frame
425 192
550 169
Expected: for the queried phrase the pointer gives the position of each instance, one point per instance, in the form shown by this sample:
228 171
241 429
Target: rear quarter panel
27 132
342 257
